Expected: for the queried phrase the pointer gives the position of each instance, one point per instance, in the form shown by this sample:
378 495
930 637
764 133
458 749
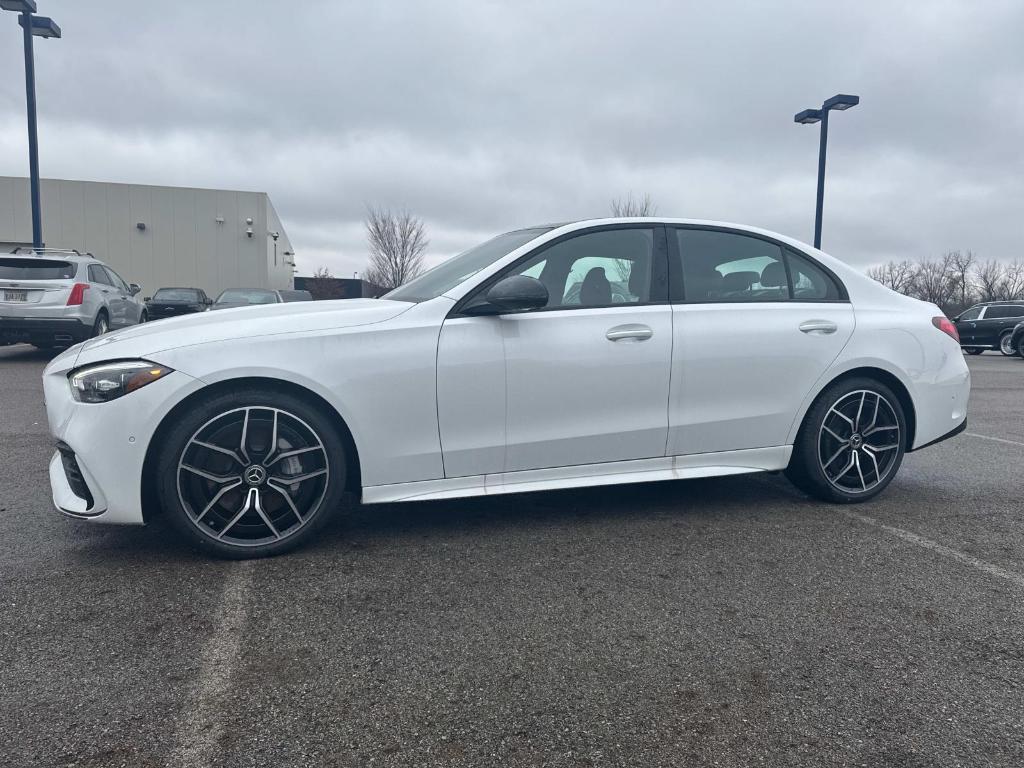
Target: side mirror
513 294
955 319
134 288
147 298
207 301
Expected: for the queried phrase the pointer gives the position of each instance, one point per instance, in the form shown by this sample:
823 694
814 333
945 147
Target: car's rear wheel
1006 344
251 473
851 443
973 350
1020 345
101 326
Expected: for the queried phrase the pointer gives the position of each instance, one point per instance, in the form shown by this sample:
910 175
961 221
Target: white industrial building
157 236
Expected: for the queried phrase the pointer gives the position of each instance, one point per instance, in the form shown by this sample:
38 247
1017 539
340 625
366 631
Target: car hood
241 323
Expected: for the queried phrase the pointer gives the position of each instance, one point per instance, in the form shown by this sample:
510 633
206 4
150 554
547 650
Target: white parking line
934 546
995 439
201 724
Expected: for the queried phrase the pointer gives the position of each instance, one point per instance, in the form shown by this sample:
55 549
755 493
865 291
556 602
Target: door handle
633 331
818 326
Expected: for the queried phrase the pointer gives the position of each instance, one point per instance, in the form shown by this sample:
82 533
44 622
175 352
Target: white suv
56 298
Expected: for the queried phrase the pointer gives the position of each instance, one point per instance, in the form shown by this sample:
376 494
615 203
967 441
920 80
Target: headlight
109 381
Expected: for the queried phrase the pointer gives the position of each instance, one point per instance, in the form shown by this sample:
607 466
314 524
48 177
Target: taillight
77 294
945 325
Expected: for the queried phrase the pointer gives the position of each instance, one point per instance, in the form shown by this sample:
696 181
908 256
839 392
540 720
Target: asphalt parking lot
727 622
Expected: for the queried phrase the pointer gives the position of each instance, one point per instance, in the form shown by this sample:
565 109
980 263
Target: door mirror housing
134 288
512 294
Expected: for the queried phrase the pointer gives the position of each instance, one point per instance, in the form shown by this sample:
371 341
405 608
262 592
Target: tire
1005 346
832 438
101 326
231 501
1020 346
973 350
143 318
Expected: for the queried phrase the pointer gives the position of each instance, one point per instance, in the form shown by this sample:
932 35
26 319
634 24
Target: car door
756 325
997 320
582 380
110 296
131 309
967 323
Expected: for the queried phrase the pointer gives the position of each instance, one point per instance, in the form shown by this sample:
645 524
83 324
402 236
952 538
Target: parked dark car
989 326
244 297
171 302
1017 339
295 295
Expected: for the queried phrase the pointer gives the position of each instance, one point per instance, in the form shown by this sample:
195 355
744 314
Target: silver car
55 298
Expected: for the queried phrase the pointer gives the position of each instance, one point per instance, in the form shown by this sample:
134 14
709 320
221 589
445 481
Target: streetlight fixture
808 117
32 26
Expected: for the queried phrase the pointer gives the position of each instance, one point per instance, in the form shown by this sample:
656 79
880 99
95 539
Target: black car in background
294 295
989 326
245 297
171 302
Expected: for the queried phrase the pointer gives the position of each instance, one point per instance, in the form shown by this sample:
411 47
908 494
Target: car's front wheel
1006 344
251 473
851 443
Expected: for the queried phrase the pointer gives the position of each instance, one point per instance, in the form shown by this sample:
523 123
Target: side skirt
610 473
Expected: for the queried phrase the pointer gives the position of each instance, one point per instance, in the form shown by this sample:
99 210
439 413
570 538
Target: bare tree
641 206
397 242
988 276
1011 287
896 275
322 285
935 281
960 265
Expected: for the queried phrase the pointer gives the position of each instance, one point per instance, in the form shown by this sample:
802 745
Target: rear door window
1003 312
99 275
16 268
730 267
811 282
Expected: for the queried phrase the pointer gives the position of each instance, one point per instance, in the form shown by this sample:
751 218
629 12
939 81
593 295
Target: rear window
36 269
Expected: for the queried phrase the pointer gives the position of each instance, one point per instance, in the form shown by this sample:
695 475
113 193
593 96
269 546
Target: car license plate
10 295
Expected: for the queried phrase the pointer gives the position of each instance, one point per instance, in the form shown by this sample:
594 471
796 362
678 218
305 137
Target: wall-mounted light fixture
141 227
219 219
248 232
249 221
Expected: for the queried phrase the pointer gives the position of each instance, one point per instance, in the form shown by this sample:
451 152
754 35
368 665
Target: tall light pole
809 116
32 26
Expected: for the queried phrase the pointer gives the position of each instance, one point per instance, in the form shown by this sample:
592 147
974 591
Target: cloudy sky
485 116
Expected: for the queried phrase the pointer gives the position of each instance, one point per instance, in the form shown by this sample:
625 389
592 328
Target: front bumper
43 330
108 443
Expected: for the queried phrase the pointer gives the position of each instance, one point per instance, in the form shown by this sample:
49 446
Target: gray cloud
484 116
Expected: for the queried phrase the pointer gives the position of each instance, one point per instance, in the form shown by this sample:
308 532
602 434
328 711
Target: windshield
176 294
448 274
247 296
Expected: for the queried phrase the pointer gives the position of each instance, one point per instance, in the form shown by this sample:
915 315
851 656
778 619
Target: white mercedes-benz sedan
597 352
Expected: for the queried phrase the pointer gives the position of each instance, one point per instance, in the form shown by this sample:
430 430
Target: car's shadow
27 353
368 525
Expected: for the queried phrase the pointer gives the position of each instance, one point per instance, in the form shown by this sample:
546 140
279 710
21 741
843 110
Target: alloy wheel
252 476
859 441
1006 344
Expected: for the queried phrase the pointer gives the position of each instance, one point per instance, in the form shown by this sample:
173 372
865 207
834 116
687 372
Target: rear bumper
952 433
43 330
